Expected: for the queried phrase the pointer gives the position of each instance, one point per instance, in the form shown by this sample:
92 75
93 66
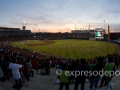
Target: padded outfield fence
113 41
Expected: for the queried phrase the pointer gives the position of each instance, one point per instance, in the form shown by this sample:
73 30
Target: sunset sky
60 15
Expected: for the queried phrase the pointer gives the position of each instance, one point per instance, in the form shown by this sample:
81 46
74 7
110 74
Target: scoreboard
99 33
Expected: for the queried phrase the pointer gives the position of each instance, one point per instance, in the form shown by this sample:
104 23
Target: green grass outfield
70 48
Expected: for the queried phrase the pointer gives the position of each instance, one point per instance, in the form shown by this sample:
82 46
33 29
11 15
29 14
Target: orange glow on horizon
66 27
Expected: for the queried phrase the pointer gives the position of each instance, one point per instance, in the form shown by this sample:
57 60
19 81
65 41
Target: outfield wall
113 41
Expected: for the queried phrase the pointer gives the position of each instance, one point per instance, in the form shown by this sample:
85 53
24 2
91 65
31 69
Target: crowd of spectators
108 64
53 36
22 67
49 36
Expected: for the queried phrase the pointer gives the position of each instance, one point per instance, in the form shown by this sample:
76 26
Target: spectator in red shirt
47 63
26 71
34 63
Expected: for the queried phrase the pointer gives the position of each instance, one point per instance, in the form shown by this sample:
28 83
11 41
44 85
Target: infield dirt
44 42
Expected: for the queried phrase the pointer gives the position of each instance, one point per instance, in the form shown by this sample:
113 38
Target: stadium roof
7 28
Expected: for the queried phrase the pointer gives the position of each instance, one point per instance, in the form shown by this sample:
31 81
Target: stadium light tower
24 22
24 25
105 25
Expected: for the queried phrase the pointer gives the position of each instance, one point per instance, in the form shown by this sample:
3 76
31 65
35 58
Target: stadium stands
44 60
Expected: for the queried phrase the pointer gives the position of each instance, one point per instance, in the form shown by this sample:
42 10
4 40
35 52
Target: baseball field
70 48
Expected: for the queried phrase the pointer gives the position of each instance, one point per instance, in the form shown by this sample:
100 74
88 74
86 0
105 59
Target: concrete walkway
37 82
46 82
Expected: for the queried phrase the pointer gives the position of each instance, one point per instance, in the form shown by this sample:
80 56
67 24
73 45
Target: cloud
32 17
35 6
36 19
61 4
20 24
113 12
115 27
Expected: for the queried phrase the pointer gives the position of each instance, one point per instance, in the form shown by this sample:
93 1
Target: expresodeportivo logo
59 72
88 73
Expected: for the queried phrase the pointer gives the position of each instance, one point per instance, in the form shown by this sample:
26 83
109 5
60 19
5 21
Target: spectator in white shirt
15 71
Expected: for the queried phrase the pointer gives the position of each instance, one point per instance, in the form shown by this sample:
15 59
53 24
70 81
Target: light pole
33 29
105 26
75 25
39 29
89 25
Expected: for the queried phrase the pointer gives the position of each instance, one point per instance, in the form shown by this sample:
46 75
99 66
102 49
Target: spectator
34 63
4 68
47 67
118 60
95 78
108 67
92 65
15 71
82 77
64 79
26 71
28 63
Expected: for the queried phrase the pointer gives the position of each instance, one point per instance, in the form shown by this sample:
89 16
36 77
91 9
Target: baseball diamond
68 48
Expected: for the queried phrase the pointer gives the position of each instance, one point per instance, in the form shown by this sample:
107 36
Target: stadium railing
112 41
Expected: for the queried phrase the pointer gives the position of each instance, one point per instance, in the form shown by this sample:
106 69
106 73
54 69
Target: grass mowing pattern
73 49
